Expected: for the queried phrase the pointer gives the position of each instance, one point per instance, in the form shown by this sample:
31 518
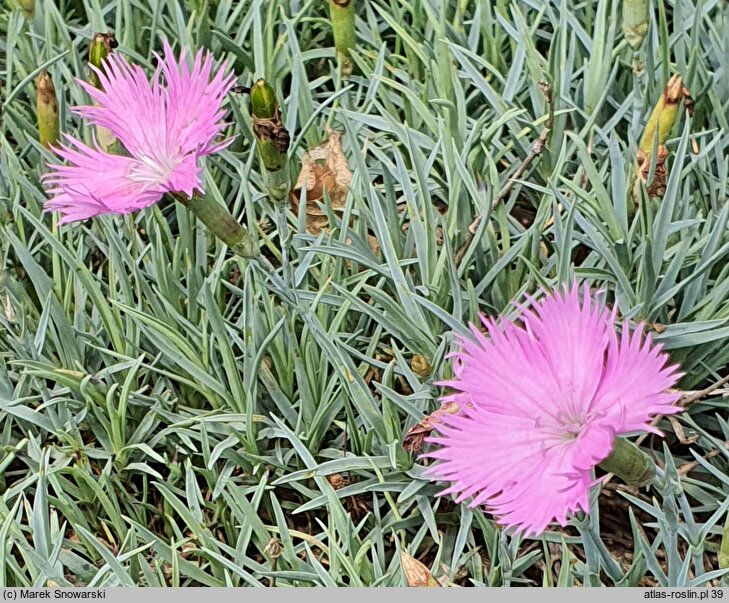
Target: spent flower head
166 126
540 403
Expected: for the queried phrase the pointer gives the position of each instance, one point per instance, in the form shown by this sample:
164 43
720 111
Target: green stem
629 463
635 22
342 16
221 223
272 142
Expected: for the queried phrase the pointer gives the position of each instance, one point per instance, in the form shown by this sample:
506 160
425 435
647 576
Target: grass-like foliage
166 419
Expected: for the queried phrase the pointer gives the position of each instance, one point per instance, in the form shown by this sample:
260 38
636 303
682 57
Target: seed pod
664 115
421 365
341 13
635 22
101 47
659 125
272 138
49 128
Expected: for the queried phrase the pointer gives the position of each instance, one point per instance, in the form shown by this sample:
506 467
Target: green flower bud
272 138
101 47
49 128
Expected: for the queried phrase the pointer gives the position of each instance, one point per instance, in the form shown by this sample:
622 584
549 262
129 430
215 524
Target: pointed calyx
629 463
272 138
101 47
49 129
657 131
221 223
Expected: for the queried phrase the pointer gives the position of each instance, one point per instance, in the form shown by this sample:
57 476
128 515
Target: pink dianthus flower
540 404
165 128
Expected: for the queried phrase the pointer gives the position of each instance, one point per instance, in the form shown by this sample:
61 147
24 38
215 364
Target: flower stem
629 463
221 223
636 20
342 16
272 142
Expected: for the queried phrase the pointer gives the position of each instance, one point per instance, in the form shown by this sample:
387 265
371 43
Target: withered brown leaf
416 574
413 440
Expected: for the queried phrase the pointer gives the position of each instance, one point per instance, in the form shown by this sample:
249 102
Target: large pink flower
541 404
165 127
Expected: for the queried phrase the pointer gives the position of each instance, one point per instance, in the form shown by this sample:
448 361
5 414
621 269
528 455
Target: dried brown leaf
9 310
338 481
416 574
657 327
657 186
413 441
324 168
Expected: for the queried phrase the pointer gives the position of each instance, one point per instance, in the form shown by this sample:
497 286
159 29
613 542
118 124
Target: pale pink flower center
154 170
573 429
565 429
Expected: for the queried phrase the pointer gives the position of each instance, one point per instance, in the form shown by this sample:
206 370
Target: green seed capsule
49 127
664 115
263 100
101 47
272 138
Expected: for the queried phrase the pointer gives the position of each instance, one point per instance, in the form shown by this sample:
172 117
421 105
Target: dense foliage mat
166 420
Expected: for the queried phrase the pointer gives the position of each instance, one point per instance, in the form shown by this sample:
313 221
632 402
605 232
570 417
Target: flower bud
101 47
664 115
272 138
49 129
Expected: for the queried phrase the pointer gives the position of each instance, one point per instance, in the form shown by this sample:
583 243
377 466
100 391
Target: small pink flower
165 127
541 404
